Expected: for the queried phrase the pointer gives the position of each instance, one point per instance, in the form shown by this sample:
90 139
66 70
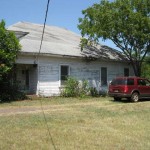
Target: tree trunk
137 68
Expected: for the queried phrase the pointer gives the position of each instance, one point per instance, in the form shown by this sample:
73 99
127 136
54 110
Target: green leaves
9 48
74 88
125 22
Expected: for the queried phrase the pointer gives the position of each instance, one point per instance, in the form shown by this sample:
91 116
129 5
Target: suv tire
135 97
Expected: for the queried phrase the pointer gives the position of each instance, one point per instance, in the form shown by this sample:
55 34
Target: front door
24 80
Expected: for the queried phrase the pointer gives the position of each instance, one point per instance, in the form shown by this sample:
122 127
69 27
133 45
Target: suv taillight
125 89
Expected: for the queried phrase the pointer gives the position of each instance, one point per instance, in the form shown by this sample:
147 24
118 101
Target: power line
50 135
44 26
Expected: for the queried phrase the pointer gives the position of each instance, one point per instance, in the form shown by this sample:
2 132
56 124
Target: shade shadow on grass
126 100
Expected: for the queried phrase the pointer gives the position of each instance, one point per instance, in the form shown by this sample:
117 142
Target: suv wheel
135 97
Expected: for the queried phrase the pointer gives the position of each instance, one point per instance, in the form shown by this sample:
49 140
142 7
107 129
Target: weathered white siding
48 77
49 73
45 78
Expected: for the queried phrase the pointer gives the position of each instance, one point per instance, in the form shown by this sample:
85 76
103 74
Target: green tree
125 22
9 48
146 67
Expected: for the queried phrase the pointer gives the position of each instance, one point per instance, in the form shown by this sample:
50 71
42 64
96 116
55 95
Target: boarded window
103 76
64 74
126 72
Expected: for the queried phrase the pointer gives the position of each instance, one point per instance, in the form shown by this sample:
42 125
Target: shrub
83 89
103 92
94 92
10 92
74 88
71 88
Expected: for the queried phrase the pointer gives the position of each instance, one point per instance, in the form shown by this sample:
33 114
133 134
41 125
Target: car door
144 87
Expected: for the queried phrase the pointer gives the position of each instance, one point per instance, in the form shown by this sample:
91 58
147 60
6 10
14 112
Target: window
64 73
118 82
126 72
147 82
122 81
130 81
103 76
141 82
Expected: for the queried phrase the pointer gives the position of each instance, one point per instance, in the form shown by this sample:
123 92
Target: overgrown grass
75 124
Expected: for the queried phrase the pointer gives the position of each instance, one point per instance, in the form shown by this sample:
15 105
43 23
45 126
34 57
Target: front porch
26 77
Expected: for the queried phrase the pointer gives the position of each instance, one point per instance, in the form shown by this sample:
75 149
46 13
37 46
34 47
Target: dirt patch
13 110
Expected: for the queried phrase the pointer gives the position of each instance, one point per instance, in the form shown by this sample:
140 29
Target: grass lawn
75 124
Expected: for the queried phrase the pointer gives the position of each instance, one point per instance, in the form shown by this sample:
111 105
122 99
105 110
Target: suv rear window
122 82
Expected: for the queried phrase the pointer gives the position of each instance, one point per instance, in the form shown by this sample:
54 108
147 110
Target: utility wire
50 135
44 26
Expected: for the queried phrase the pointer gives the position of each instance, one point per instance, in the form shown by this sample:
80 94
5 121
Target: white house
42 71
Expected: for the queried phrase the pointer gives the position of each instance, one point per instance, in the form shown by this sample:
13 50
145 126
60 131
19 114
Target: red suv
132 88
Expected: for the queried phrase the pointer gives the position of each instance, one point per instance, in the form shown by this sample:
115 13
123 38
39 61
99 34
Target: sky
61 13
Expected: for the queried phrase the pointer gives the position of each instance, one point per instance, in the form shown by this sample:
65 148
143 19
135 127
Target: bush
103 93
10 92
73 88
83 88
94 92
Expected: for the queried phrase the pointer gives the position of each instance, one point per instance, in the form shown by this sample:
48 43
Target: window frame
126 72
105 84
60 81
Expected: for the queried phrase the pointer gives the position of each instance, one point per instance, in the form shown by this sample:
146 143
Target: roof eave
69 56
48 54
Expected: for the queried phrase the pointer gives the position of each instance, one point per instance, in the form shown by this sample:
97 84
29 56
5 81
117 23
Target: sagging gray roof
58 41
